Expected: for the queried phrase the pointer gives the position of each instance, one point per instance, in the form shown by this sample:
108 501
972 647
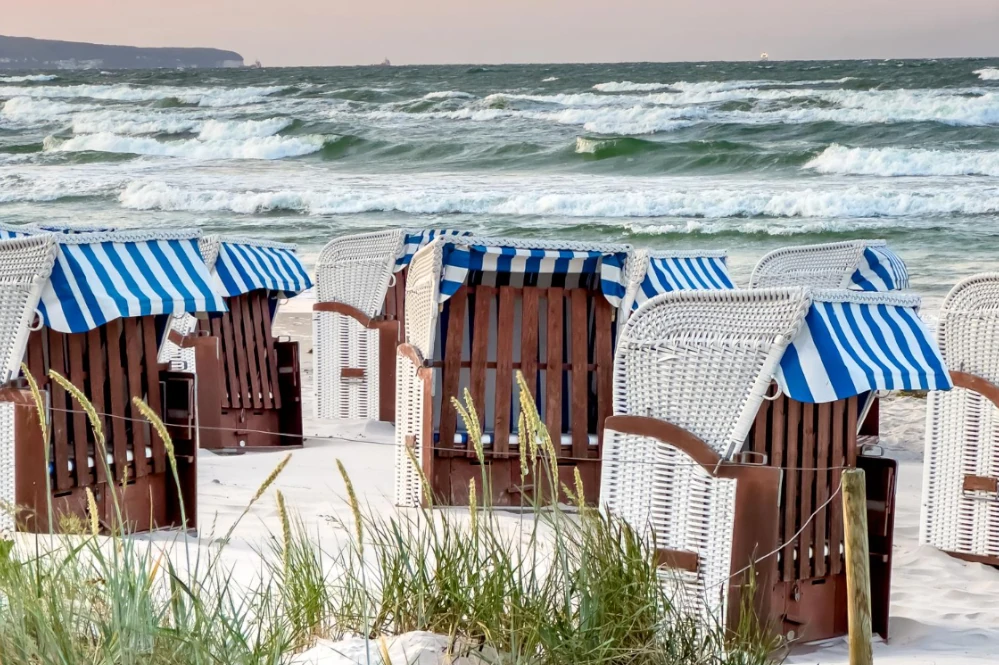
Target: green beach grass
567 586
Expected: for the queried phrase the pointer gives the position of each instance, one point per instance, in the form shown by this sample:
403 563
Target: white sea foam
20 188
837 159
226 130
25 110
584 201
254 147
988 74
549 79
134 124
448 94
629 86
123 92
30 78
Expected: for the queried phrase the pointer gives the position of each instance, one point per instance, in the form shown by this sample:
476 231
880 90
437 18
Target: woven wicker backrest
25 266
962 427
422 287
827 266
209 246
704 360
357 269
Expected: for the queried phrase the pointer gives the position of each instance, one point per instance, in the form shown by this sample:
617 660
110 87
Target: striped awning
464 255
245 265
852 343
100 277
417 239
880 269
683 271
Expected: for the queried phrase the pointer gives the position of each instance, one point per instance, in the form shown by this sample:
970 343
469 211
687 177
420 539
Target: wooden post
858 574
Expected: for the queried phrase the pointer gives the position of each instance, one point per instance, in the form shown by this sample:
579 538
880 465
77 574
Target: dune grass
560 586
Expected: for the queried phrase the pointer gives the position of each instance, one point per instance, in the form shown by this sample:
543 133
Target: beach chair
734 415
960 507
859 265
94 307
478 310
250 393
652 273
358 319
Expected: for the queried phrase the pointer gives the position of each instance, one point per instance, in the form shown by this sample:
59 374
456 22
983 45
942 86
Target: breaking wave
124 92
604 201
629 86
988 74
250 147
31 78
840 160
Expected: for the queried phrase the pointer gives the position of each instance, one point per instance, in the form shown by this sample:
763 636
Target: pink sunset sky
343 32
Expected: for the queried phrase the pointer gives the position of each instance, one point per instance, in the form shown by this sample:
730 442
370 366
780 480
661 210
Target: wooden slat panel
579 342
807 463
822 486
60 403
603 357
238 353
248 351
119 399
778 422
839 442
791 493
504 370
852 407
760 438
133 355
97 367
268 381
272 364
36 357
77 376
153 397
553 375
484 296
529 338
232 373
458 303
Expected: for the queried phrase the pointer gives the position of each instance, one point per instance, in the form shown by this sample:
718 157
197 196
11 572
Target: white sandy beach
944 611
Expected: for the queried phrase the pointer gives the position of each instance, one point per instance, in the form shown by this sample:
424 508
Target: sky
346 32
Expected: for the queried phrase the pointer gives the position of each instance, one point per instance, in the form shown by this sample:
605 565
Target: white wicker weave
7 470
701 360
25 266
826 266
355 270
962 426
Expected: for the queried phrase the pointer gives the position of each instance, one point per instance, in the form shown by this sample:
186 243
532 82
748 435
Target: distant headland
29 53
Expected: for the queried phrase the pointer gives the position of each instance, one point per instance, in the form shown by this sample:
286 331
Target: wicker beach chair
250 393
735 412
960 508
478 310
95 311
357 319
862 265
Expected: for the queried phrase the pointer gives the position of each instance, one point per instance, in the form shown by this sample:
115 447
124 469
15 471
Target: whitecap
254 147
30 78
841 160
448 94
629 86
988 74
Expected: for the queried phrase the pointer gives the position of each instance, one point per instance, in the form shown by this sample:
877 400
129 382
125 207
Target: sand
944 611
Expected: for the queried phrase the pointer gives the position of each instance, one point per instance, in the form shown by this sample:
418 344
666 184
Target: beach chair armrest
980 385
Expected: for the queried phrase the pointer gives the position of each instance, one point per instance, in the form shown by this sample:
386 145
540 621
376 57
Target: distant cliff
27 53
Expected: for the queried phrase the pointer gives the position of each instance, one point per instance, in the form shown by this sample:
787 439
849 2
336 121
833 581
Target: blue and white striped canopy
417 239
880 269
464 255
852 343
100 277
247 265
690 271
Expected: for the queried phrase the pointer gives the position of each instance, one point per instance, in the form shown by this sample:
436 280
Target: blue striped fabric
690 272
8 232
880 269
246 265
100 277
417 239
461 257
852 343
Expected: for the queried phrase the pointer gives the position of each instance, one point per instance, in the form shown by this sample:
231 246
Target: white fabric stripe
815 373
107 305
194 256
52 302
856 372
120 285
228 261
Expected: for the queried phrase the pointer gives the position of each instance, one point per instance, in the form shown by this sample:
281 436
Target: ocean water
741 156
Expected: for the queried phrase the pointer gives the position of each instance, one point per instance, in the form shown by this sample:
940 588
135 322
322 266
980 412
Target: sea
746 156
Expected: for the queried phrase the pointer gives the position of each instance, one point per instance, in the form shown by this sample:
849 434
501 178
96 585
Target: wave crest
840 160
254 147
